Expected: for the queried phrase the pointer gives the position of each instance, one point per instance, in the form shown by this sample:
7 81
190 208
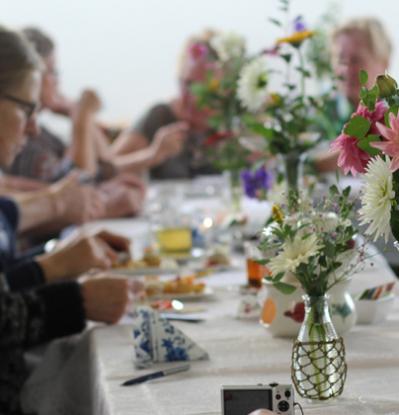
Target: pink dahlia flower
373 116
390 146
351 158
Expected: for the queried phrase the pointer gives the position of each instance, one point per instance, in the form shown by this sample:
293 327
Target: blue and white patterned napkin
157 340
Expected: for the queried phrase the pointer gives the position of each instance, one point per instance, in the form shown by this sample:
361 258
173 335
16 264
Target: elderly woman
361 43
31 309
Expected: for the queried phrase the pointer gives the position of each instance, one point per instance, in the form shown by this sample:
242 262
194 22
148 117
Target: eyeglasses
28 107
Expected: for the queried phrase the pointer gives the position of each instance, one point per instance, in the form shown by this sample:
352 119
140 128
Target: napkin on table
157 340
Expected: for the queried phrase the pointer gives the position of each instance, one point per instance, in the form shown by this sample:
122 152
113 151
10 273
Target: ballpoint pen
155 375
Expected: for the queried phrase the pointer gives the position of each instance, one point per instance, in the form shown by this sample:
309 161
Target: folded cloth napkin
157 340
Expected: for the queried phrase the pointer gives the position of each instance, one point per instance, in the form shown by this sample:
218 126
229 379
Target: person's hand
120 201
75 203
169 141
123 195
88 103
106 298
81 253
130 180
262 412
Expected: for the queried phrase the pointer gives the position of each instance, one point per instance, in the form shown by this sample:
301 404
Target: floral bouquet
224 55
290 121
369 145
314 248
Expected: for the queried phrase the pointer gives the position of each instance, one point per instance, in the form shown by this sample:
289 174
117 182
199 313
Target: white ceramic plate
207 294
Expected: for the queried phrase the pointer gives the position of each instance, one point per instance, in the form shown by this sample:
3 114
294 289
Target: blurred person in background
360 43
168 138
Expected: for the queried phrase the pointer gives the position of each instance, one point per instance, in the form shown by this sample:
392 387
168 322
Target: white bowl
374 311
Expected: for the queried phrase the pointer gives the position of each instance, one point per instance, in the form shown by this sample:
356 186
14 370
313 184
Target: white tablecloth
82 375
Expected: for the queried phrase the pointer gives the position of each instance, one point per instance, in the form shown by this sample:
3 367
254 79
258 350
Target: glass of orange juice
255 271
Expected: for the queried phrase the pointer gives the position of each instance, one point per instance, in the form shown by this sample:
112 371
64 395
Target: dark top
42 158
190 162
28 316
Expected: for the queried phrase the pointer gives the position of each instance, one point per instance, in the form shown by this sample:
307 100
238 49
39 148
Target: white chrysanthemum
328 222
377 198
295 252
228 45
252 84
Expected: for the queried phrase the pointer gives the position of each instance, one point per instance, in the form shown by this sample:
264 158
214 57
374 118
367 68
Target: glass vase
318 367
293 163
235 190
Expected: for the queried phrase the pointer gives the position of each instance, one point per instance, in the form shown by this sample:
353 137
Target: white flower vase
283 314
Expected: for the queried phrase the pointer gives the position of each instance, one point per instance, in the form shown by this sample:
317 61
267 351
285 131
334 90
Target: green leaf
278 277
275 21
357 127
347 190
284 287
363 77
286 56
329 249
364 144
260 129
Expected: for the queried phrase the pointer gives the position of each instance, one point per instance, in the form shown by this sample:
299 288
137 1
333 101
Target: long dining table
83 374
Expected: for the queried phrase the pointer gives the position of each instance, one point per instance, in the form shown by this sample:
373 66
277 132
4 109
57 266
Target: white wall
127 49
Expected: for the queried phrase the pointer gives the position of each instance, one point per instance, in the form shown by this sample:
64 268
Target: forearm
82 151
137 161
37 208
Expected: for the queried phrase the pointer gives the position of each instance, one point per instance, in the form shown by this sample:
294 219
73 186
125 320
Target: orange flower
297 38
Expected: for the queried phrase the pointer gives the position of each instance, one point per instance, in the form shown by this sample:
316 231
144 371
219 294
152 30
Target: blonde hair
17 58
373 31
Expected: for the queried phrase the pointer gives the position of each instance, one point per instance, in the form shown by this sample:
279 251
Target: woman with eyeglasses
39 300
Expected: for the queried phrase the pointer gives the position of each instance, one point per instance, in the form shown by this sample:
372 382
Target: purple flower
299 24
257 182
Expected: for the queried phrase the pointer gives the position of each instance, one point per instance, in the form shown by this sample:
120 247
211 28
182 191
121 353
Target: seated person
177 128
361 43
46 158
32 309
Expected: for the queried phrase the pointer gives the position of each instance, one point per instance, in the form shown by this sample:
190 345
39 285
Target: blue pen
156 375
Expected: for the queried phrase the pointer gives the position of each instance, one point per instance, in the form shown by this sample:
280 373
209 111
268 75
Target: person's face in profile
351 53
18 109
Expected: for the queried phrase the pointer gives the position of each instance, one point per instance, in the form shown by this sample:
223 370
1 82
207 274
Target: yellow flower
275 99
297 38
213 85
277 214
